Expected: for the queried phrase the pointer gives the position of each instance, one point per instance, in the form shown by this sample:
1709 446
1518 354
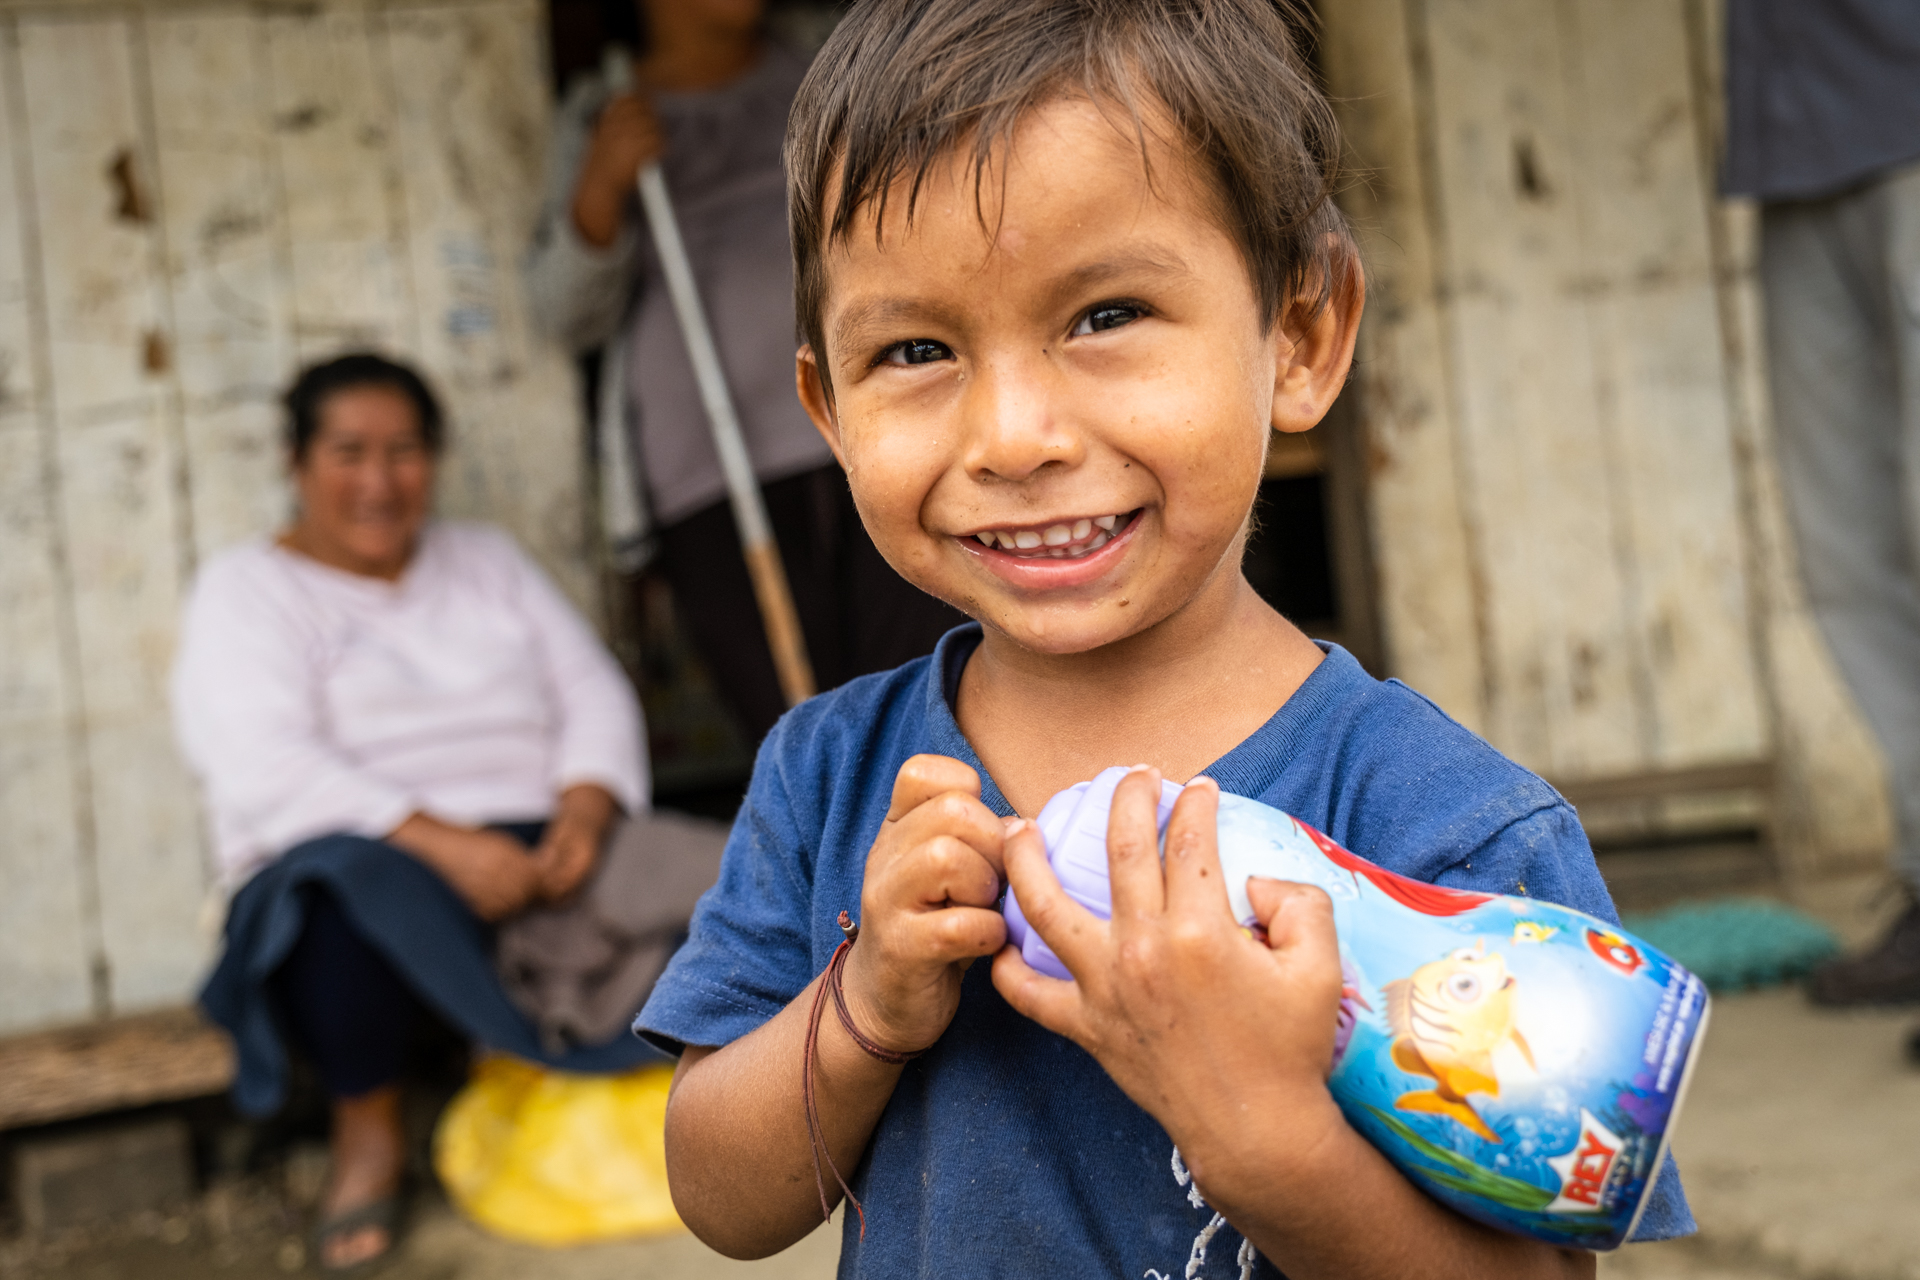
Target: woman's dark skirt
427 936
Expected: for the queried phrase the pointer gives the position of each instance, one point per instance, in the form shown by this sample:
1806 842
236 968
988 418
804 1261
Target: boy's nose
1015 420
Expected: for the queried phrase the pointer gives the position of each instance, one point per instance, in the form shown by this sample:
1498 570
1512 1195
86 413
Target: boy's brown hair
903 82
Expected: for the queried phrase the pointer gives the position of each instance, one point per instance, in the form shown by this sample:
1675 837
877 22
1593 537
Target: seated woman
405 734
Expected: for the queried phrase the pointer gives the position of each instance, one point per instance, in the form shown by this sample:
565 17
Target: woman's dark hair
309 394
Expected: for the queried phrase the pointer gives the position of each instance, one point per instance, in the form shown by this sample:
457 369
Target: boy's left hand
1220 1037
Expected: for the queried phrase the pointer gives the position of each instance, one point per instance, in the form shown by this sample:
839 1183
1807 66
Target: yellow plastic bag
557 1159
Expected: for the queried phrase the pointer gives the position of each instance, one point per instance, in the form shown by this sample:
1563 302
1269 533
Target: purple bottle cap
1074 826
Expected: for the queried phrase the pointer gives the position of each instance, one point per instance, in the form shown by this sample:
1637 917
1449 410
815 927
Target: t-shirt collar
1245 770
943 690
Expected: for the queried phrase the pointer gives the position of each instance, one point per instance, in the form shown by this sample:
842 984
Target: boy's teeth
1056 541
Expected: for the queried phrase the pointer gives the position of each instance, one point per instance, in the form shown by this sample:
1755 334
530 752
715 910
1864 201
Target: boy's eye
1107 315
916 351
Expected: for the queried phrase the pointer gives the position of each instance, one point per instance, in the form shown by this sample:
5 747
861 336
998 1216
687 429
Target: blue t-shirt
1007 1150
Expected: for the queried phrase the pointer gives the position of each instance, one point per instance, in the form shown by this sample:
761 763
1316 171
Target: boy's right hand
928 908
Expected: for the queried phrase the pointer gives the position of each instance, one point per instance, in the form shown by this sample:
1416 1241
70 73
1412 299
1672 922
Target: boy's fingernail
1016 826
1201 779
1140 768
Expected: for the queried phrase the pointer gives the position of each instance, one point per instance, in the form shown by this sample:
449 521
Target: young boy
1061 265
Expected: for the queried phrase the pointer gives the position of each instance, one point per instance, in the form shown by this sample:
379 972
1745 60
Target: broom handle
769 575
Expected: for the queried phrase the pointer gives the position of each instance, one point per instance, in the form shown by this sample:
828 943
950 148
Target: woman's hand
571 845
927 909
627 136
492 872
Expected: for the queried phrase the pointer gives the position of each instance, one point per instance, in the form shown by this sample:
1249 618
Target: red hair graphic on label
1427 899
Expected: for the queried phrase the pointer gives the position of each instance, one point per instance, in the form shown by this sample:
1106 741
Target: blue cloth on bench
412 918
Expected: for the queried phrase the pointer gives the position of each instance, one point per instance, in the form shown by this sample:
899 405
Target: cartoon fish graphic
1533 931
1447 1019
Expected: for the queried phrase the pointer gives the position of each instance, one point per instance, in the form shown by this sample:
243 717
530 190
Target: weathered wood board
222 224
45 948
1575 529
469 129
331 115
122 486
197 198
124 1062
1663 383
1598 449
1429 584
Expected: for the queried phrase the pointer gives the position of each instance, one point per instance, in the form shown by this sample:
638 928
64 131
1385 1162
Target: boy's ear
811 383
1315 352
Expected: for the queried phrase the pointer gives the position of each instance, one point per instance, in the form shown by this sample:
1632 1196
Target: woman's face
365 482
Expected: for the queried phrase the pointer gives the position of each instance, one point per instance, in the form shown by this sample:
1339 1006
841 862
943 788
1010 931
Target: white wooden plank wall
194 200
1430 583
1661 366
1569 296
1577 531
469 118
45 865
121 485
332 117
221 219
1561 694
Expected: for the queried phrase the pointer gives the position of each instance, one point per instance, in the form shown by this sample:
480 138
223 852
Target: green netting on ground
1738 942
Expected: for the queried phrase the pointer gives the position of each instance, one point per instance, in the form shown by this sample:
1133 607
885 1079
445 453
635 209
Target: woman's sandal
383 1213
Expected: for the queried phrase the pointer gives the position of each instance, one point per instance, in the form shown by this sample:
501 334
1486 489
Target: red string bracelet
816 1137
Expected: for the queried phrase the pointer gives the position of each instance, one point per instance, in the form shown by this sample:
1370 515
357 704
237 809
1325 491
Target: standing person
1823 126
712 108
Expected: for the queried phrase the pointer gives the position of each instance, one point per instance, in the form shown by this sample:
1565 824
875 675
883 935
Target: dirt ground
1798 1151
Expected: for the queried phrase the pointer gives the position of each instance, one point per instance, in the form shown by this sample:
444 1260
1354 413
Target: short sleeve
1546 855
748 952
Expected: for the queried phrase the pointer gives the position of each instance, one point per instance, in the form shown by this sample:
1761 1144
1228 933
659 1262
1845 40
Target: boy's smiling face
1081 378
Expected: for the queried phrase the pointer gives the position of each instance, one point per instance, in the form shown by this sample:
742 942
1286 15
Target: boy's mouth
1062 540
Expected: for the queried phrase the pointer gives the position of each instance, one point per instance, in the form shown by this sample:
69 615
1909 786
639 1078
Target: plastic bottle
1521 1062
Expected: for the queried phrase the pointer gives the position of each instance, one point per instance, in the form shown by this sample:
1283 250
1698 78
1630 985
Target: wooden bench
111 1065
